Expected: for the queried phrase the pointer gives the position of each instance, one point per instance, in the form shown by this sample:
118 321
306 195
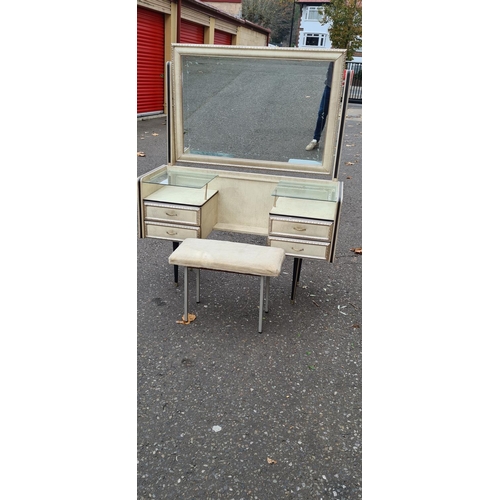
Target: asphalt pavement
226 412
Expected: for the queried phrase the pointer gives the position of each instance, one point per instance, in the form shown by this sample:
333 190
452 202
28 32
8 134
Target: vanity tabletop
181 195
309 209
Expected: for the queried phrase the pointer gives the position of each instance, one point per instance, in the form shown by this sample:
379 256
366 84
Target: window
314 39
313 14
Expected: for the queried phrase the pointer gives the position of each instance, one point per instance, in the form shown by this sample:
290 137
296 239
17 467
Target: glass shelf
309 190
172 177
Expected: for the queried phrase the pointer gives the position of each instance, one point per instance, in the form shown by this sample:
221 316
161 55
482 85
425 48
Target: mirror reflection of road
274 121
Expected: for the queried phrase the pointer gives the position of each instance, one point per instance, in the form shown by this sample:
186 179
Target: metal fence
356 86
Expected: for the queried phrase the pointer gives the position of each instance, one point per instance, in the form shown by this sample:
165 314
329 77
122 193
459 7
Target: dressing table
239 120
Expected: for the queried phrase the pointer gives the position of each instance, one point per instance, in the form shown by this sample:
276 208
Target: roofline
202 6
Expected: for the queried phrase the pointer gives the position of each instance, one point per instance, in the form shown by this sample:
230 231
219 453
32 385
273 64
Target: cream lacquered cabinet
304 221
303 218
239 121
178 206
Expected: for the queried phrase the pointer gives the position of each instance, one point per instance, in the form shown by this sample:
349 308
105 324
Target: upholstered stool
231 257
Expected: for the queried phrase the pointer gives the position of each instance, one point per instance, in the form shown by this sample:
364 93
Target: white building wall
312 31
312 34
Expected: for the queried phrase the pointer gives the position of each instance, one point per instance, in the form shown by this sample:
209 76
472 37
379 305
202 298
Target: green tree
344 17
280 26
275 15
258 11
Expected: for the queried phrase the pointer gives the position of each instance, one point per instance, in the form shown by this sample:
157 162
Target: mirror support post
345 102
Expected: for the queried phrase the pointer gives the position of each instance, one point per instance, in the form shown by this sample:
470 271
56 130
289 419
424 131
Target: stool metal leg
197 285
261 308
186 289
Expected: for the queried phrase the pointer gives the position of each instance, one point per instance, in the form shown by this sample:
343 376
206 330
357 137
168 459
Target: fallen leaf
356 250
355 326
154 133
349 163
191 317
271 461
348 177
140 153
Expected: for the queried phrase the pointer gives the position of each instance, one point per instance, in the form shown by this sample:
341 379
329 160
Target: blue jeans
322 113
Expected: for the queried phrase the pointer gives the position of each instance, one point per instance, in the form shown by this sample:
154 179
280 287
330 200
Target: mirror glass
255 111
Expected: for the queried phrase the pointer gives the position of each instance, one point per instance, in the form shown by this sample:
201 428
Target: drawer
302 248
301 228
171 231
178 214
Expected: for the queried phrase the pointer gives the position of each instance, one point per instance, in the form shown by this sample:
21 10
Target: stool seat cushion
228 256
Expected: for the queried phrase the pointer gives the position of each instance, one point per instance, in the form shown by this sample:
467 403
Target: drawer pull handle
171 232
171 215
299 228
297 249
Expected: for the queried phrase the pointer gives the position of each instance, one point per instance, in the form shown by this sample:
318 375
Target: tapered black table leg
297 264
175 244
298 272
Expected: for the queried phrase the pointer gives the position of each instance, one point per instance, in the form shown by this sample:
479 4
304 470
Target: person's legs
322 113
321 120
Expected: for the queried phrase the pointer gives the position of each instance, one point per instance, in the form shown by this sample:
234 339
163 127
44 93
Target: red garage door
222 38
191 32
150 61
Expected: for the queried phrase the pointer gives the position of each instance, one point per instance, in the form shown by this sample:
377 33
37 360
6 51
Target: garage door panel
192 32
150 61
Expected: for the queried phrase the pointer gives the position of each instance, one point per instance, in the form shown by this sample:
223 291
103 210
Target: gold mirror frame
180 151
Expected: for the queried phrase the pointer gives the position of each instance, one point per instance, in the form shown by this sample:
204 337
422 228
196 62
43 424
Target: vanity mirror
254 107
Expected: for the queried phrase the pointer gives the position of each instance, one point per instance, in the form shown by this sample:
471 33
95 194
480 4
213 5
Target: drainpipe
179 21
